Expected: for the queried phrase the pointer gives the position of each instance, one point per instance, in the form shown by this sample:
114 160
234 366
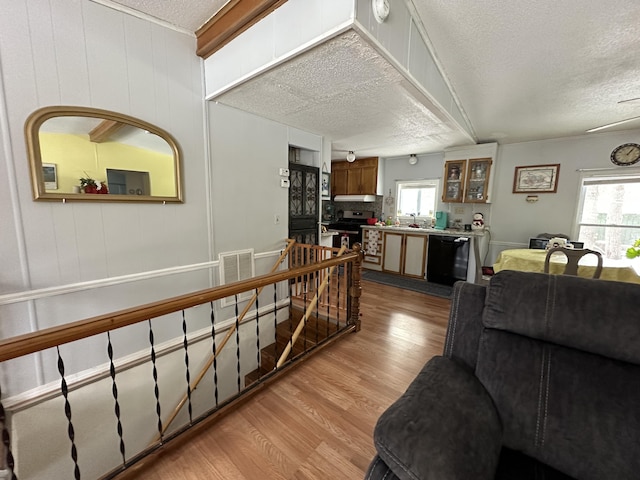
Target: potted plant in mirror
89 185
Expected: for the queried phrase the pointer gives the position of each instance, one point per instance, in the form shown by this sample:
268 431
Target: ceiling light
413 159
351 156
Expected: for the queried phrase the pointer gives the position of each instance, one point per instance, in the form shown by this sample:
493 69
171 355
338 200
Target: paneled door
304 195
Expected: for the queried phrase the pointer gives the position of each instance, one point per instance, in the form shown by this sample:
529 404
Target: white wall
78 52
512 221
246 153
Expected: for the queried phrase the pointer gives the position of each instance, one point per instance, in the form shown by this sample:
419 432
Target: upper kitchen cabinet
454 172
357 178
468 174
477 183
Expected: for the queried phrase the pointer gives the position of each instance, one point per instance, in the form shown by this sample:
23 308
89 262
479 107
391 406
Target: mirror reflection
96 155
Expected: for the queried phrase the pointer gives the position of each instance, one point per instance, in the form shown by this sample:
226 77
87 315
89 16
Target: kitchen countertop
427 231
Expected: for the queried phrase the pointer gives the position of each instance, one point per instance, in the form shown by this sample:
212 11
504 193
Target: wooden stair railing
30 343
310 308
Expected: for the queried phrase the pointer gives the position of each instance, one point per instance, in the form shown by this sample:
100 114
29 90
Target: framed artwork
536 179
325 187
50 176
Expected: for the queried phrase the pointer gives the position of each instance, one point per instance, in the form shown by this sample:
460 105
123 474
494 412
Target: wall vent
236 266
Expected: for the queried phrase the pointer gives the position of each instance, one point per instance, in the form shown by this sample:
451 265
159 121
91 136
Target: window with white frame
608 217
416 198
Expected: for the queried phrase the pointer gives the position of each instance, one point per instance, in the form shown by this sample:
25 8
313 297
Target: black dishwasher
447 259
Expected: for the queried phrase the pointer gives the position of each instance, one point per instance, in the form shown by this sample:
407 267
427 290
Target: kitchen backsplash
375 207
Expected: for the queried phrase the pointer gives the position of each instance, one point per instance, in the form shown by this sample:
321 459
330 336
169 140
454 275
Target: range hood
354 198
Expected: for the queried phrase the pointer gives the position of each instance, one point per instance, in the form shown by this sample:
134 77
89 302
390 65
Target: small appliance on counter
441 220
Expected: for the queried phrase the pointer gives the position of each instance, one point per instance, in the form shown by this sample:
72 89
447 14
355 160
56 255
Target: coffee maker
441 220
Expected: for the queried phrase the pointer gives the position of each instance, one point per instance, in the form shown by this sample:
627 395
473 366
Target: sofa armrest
444 426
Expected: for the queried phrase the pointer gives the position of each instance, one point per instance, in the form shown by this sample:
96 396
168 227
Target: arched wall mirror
88 154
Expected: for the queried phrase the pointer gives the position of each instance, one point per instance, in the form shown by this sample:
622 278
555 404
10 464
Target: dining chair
573 256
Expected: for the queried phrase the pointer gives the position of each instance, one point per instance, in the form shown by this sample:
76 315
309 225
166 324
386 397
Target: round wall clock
380 10
626 154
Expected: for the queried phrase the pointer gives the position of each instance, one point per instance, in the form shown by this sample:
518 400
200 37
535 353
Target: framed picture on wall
536 179
50 176
325 186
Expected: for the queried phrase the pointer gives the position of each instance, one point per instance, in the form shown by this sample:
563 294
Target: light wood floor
316 422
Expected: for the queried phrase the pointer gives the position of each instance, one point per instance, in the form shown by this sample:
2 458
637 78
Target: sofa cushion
574 411
443 427
568 311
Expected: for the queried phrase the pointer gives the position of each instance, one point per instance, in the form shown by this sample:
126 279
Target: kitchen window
608 217
417 197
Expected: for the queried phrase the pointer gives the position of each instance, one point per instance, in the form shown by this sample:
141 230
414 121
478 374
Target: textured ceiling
521 70
345 90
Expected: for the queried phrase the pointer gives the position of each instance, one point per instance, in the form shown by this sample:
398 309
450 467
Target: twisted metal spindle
67 412
114 390
214 354
258 331
156 389
238 343
185 344
6 441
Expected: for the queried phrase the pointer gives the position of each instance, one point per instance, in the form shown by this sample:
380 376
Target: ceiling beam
104 130
232 19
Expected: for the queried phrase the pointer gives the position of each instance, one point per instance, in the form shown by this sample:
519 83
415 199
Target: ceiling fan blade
614 124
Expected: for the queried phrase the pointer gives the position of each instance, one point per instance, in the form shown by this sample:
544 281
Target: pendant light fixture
351 157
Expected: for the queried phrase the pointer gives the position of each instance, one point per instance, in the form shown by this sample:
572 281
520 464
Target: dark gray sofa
540 379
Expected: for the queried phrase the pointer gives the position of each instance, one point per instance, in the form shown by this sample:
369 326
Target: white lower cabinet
405 253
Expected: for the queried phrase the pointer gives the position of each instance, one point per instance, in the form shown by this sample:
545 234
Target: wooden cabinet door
392 257
368 180
477 182
339 185
454 172
353 181
415 249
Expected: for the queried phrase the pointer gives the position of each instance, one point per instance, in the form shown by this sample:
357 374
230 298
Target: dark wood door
304 194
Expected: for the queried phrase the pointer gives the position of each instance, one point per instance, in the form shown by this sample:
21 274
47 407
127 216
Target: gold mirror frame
32 129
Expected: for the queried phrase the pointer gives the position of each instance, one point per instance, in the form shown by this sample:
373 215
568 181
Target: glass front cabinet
467 180
477 184
454 171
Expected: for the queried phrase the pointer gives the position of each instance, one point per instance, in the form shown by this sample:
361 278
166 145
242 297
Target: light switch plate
284 172
284 182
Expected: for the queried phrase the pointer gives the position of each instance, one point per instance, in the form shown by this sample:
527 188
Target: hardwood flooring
316 422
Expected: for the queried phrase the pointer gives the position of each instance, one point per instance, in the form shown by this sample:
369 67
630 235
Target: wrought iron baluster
317 287
275 315
67 411
215 354
6 441
258 332
328 274
238 343
338 297
185 344
114 390
156 389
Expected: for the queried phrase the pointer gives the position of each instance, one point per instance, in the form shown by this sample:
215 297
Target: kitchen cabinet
467 180
477 183
372 245
356 178
404 253
454 172
469 172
